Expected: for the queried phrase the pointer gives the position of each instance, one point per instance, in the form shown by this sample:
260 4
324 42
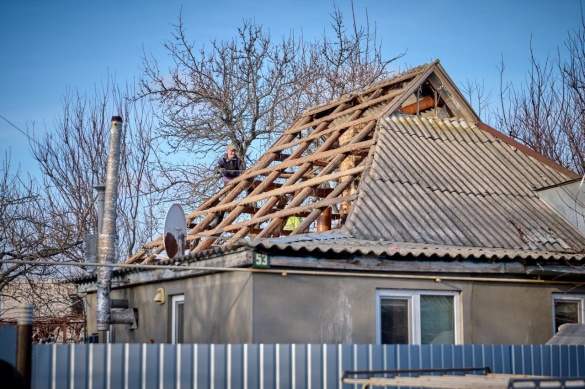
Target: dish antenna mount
175 231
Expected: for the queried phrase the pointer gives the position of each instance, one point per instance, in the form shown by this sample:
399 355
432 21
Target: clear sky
51 45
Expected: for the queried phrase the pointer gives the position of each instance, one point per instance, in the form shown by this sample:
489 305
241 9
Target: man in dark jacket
230 165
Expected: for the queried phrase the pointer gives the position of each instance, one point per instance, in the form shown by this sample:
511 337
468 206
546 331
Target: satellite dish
175 231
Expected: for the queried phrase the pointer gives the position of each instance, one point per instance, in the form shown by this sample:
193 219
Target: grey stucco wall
318 309
271 308
217 307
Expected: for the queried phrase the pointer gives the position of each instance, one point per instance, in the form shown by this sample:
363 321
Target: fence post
24 315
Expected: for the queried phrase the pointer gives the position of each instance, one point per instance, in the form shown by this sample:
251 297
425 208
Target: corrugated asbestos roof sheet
344 246
336 245
446 182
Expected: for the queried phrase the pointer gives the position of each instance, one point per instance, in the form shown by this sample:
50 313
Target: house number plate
260 260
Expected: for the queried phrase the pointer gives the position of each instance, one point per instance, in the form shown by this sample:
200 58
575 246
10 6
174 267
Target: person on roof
230 165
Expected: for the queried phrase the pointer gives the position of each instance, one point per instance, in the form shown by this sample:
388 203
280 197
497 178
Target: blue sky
49 46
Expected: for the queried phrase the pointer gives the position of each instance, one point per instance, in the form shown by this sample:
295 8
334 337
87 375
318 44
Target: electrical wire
21 131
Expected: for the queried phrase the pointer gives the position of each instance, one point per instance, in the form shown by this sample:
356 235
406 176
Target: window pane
566 312
437 319
179 322
394 321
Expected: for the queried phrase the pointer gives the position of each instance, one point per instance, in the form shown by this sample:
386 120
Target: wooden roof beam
271 202
287 188
298 198
292 180
306 223
316 135
408 76
270 186
242 184
334 164
424 103
281 214
375 99
266 160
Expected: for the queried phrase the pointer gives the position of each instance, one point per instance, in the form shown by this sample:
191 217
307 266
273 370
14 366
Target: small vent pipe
101 192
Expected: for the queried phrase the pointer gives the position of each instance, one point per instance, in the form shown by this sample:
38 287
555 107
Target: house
414 222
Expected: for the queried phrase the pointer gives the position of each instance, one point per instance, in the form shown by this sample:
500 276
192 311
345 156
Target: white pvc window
177 316
567 308
417 317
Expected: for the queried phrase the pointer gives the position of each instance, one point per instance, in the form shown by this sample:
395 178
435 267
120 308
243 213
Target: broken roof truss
313 170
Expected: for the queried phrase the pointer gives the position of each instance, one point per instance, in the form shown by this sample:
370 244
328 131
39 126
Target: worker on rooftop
230 165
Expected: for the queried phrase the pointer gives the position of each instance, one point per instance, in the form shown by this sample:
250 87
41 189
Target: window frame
176 300
414 324
579 298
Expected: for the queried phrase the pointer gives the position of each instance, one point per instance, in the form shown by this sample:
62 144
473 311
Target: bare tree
27 234
20 223
347 58
247 90
73 158
227 93
478 97
48 220
547 113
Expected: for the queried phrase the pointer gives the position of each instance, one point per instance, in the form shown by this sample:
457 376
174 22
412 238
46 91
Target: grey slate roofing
447 182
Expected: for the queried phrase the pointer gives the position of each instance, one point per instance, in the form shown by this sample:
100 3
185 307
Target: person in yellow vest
292 223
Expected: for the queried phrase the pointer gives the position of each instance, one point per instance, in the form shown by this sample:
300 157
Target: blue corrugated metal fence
287 366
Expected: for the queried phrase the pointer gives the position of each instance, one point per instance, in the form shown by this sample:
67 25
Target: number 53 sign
260 260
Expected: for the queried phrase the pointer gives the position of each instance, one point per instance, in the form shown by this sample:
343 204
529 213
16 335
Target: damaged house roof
403 166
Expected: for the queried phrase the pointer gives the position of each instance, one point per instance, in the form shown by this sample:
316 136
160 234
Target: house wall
217 307
271 308
316 309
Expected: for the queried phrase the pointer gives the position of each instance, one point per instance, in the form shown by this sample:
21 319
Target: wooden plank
362 107
158 241
337 127
135 257
412 87
391 81
287 189
269 186
317 156
306 223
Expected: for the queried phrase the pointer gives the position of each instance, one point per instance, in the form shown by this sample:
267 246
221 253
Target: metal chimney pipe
107 249
101 191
